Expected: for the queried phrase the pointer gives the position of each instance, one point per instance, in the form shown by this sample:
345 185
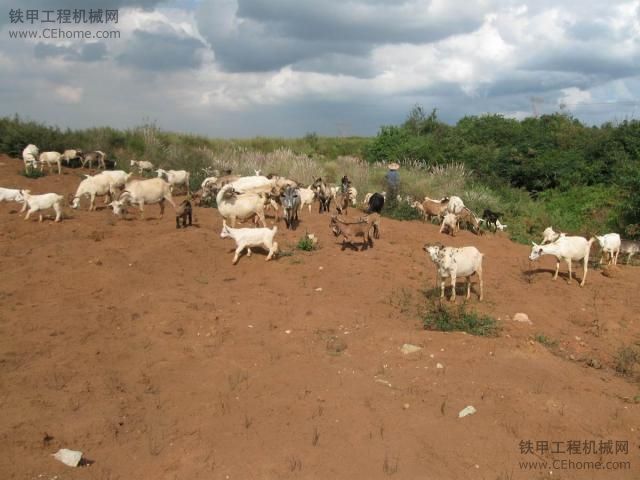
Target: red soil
144 347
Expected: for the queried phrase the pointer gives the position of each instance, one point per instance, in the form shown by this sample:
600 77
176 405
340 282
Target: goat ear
534 243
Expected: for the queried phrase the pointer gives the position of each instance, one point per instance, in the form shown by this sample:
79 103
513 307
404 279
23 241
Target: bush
400 210
626 360
456 318
32 172
306 244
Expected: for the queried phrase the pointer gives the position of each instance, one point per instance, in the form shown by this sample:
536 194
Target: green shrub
456 318
32 172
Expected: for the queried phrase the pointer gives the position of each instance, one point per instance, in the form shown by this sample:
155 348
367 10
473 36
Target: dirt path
144 347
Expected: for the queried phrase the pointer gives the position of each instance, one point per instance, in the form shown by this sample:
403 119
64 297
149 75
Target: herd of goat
246 198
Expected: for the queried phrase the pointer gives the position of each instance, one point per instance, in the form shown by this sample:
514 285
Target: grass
456 318
400 210
546 341
306 244
627 358
32 172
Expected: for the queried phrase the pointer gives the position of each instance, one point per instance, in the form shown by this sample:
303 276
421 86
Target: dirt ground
145 348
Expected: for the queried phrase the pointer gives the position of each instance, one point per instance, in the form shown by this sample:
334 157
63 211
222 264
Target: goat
342 202
567 249
500 226
141 192
350 229
251 237
30 155
454 262
491 217
234 206
469 218
549 236
610 244
434 208
455 205
37 203
49 158
11 195
630 247
323 193
183 211
450 224
376 203
93 186
69 155
175 177
290 199
95 156
142 165
307 196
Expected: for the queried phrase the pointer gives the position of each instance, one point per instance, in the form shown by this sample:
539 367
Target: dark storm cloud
161 52
264 35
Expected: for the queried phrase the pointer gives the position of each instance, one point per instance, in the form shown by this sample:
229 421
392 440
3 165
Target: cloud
264 35
161 52
279 67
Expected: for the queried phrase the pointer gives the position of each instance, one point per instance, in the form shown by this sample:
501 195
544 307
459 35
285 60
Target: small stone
405 406
470 410
594 363
407 348
68 457
287 332
522 317
439 365
319 289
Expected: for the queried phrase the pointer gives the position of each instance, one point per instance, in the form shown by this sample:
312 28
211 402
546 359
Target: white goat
251 237
253 184
454 262
610 244
233 206
30 155
568 249
175 177
500 226
49 158
69 155
307 196
93 186
37 203
118 177
353 195
141 192
549 236
455 205
10 195
450 223
142 165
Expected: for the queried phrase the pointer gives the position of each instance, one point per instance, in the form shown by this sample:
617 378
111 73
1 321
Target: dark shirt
393 178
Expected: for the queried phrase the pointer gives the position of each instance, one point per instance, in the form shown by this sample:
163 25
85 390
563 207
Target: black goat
376 203
183 212
491 218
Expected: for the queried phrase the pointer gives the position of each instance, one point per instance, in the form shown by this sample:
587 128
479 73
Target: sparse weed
456 318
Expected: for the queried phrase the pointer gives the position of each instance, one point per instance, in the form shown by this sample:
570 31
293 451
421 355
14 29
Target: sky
242 68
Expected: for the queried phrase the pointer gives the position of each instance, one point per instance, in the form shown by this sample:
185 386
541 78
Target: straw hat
393 166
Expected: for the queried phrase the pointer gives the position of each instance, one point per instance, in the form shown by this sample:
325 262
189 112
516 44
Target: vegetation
627 359
456 318
551 170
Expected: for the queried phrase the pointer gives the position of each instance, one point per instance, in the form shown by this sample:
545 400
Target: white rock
439 365
68 457
319 289
521 317
407 348
470 410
